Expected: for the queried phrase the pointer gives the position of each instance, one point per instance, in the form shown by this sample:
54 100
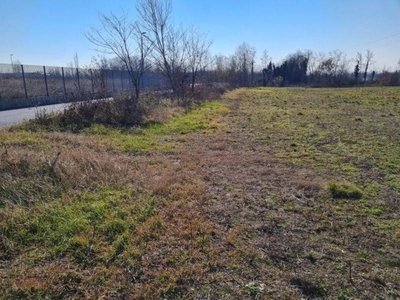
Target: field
268 193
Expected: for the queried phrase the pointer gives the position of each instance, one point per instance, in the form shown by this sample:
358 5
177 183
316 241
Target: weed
340 190
309 289
377 211
382 251
363 255
253 289
391 293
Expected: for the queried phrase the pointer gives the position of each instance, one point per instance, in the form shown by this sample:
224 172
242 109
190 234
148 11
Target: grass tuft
341 190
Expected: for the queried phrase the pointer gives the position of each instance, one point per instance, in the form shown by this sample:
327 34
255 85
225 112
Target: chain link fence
27 81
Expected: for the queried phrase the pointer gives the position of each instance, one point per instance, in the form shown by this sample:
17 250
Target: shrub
80 115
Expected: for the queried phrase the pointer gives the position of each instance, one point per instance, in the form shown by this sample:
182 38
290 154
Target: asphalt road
15 116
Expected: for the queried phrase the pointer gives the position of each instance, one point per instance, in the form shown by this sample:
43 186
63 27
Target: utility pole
11 55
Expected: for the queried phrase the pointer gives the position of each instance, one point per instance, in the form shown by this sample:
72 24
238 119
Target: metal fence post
122 82
23 78
63 78
45 81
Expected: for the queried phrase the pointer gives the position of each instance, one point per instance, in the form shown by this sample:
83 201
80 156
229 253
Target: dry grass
218 203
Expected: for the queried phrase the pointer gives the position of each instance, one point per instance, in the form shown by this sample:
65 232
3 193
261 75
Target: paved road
15 116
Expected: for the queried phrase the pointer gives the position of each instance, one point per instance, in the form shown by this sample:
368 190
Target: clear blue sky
49 32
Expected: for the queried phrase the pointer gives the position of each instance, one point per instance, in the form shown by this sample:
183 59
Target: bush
206 92
79 115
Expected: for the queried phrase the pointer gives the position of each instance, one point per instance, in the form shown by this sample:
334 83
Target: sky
50 32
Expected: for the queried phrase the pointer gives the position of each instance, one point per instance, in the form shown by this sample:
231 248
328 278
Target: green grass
76 226
326 133
143 139
341 190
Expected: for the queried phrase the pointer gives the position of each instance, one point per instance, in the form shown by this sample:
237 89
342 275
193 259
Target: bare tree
205 74
336 57
368 56
119 36
198 47
222 65
312 61
178 52
101 71
233 69
155 18
340 66
245 55
327 67
342 73
177 43
316 69
16 66
265 59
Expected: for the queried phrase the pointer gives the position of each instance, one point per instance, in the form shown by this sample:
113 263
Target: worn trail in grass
271 193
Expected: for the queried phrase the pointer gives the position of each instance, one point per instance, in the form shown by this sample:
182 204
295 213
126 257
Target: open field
287 193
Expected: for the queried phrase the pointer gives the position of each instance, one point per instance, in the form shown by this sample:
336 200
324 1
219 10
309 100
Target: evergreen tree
357 71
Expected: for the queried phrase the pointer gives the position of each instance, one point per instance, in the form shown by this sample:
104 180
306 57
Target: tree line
181 55
304 68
